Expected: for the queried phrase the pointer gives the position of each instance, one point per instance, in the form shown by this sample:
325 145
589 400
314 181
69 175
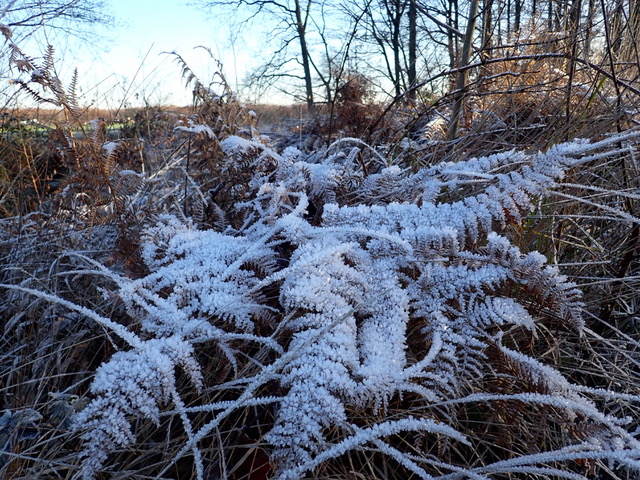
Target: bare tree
73 17
385 30
20 19
291 20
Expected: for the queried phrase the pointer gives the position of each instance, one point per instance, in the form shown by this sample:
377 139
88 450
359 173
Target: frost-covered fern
380 299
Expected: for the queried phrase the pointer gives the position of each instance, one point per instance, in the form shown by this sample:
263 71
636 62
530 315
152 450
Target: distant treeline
267 113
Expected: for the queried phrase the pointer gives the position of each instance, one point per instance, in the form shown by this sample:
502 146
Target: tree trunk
304 52
396 19
588 35
487 28
462 74
413 48
487 38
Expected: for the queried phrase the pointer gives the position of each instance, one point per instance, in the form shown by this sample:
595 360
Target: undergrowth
195 302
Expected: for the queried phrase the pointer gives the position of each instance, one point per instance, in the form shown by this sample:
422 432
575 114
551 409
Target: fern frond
393 302
49 60
32 93
72 98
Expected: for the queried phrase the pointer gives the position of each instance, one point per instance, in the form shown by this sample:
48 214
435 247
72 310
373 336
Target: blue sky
132 67
150 27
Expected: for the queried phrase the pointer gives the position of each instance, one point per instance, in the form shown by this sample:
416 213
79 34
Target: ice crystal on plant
196 129
387 284
135 382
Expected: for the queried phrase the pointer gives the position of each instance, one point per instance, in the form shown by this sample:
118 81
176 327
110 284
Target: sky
130 66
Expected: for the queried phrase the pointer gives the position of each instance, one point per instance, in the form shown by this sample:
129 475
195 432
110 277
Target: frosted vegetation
387 291
330 309
371 306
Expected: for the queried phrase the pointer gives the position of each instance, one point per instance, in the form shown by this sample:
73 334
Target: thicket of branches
413 49
370 297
